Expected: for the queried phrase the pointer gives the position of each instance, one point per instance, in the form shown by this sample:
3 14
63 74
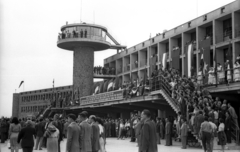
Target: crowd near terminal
200 114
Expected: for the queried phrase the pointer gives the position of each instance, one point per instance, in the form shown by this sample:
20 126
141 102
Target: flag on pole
21 84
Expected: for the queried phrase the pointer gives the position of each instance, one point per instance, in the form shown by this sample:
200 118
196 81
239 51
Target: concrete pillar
83 60
15 105
159 113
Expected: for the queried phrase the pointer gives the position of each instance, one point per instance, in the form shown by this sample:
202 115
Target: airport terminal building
216 33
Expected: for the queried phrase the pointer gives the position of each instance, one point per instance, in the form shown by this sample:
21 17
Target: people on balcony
228 73
220 73
236 70
81 33
99 70
211 76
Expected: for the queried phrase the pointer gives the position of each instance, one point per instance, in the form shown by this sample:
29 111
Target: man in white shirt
214 128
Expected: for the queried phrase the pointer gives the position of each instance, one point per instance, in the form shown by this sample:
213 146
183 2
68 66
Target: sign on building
103 97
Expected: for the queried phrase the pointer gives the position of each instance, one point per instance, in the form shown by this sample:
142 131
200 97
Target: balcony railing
227 35
127 68
119 70
79 36
143 63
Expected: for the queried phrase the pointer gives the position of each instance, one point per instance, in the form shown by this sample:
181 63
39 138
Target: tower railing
79 36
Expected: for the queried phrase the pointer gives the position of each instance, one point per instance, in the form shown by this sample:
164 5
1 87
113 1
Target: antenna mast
81 13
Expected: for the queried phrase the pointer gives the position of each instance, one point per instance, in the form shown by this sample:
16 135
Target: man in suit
132 129
113 128
148 134
85 133
168 132
26 137
137 128
234 116
95 134
39 131
200 119
184 132
73 138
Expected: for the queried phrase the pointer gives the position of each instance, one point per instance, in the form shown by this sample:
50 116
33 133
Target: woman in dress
121 129
210 76
220 73
101 135
14 130
229 73
236 68
221 134
52 135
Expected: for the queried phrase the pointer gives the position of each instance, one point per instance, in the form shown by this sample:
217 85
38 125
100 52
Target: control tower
83 39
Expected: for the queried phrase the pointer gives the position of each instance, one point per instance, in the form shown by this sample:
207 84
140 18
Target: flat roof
83 24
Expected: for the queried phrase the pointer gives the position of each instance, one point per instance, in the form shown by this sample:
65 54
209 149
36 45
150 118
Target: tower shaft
83 60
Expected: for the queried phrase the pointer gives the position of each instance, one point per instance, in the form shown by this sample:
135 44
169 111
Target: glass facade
89 32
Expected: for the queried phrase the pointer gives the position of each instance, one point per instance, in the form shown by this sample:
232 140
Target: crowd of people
104 70
199 108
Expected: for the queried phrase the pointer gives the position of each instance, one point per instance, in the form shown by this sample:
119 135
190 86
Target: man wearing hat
73 132
85 133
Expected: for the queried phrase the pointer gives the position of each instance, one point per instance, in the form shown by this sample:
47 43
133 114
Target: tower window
189 24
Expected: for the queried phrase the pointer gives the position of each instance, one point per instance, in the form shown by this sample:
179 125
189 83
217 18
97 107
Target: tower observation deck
83 39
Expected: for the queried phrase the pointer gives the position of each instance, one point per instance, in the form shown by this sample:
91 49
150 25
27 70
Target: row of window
46 96
33 108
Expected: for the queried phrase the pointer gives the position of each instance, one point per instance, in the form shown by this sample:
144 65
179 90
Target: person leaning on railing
236 70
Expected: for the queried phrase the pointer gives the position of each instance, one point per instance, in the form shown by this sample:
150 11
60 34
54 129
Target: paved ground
114 145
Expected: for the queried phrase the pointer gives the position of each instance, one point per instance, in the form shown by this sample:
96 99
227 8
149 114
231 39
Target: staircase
170 101
163 87
46 112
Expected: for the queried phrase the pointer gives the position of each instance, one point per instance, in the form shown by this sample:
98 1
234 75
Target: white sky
29 29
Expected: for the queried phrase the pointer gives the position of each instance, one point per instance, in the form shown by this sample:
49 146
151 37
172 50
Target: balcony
119 70
127 68
237 31
143 63
135 65
227 35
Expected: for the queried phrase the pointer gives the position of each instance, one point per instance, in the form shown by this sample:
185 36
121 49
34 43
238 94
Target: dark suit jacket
85 137
26 137
95 138
148 137
168 128
184 130
40 129
73 138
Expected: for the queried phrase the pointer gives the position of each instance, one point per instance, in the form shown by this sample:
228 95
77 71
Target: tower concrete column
83 60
